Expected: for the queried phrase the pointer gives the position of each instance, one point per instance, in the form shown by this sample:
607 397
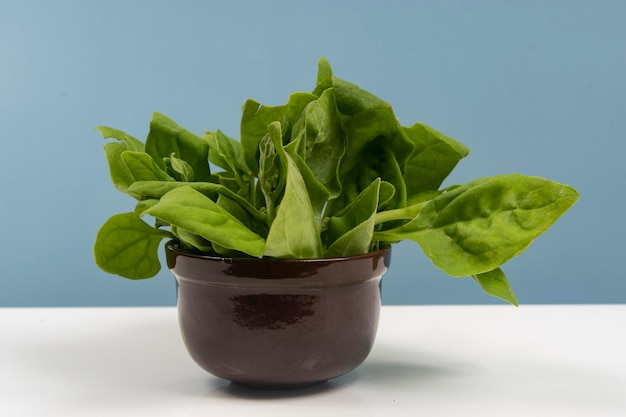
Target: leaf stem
405 213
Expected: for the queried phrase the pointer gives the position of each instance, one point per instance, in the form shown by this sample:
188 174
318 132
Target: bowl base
278 387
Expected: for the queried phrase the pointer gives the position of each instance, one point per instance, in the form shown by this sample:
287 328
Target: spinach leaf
271 182
475 228
181 170
190 210
228 154
143 168
319 140
295 232
256 118
351 233
121 176
496 284
127 246
434 156
166 138
192 241
129 142
157 189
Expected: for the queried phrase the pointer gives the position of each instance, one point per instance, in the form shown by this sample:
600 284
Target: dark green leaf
256 118
351 233
167 138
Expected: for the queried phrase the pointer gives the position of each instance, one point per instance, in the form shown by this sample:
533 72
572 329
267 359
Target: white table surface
428 361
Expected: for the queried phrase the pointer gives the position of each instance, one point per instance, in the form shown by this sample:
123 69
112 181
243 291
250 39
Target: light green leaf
434 156
181 168
319 140
477 227
157 189
143 168
192 241
295 232
131 144
496 284
225 152
271 181
189 209
121 176
127 246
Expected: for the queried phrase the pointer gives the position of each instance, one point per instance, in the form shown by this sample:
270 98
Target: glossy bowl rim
172 246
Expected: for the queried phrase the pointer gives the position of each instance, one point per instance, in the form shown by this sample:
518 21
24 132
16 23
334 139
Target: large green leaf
475 228
194 212
166 137
319 140
127 246
295 231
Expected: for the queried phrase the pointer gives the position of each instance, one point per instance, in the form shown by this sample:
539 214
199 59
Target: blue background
537 87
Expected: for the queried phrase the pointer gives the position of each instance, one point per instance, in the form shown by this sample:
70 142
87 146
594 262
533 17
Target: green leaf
477 227
131 144
225 152
256 118
319 140
192 241
166 138
157 189
295 232
434 156
351 233
121 176
258 226
127 246
182 169
324 75
143 168
351 99
496 284
271 182
376 160
189 209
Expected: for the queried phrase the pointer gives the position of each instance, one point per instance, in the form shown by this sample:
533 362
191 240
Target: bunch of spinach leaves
330 173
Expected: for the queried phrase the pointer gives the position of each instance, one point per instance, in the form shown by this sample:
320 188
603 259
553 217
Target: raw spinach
331 173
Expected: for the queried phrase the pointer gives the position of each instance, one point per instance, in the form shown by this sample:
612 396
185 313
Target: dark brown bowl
278 322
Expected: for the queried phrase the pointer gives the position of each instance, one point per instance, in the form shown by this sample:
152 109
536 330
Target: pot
278 323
